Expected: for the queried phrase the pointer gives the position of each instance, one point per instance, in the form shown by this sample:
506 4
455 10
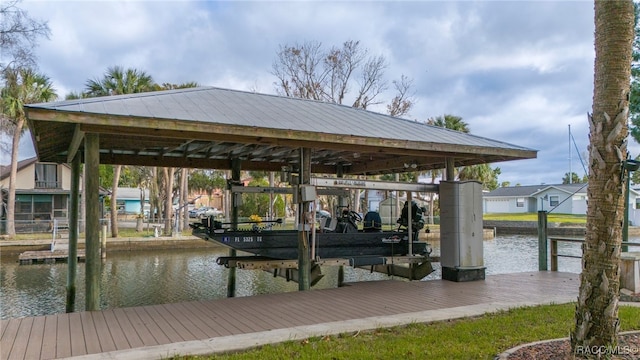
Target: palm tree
117 81
451 122
596 316
22 86
483 173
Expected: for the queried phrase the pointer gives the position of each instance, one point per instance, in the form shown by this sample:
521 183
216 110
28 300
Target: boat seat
332 225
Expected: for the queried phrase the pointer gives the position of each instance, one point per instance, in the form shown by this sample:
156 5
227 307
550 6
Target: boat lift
413 267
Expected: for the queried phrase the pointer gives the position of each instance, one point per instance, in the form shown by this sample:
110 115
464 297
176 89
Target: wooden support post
74 212
542 240
450 169
554 255
410 222
92 234
304 266
235 177
103 242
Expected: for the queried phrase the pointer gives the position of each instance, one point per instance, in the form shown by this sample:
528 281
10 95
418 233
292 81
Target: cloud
519 72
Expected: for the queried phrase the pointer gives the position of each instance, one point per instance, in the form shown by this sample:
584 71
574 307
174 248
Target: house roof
206 127
126 193
577 188
5 170
532 190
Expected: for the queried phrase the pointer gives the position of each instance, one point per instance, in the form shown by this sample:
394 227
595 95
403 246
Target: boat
341 239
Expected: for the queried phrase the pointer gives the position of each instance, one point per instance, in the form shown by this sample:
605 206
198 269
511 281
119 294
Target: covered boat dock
215 128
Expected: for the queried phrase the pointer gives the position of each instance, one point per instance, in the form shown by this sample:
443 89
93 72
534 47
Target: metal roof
206 127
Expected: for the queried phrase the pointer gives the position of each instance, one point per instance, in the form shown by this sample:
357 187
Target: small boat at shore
369 246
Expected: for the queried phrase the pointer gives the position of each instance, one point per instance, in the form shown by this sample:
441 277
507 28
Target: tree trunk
114 204
83 208
11 199
168 205
154 201
184 198
597 308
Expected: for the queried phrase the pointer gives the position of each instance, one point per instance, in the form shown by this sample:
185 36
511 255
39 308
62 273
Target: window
60 206
42 207
47 176
553 200
520 202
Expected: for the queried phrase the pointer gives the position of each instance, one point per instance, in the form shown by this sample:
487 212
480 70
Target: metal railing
553 241
44 184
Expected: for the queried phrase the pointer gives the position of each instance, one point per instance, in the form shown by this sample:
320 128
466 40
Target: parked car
322 214
204 211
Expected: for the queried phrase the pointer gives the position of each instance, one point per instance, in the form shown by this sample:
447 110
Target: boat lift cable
583 167
578 152
568 197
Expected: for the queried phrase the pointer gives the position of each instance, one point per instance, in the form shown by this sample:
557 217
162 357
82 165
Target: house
561 198
128 201
42 194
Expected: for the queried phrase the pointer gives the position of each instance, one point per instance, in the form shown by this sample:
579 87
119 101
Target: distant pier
47 256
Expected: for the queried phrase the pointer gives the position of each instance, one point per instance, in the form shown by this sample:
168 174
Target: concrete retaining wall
531 228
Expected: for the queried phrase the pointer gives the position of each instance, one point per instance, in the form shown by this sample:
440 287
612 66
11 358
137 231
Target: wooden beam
74 145
280 137
395 163
200 163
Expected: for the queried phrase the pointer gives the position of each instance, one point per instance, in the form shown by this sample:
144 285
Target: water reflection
154 277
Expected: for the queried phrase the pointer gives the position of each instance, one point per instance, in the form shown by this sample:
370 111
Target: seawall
531 228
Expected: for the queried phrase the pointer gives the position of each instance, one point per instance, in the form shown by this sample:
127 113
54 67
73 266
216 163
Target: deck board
35 337
171 333
172 315
94 332
141 331
10 330
192 318
127 328
225 326
49 341
91 339
78 344
22 339
118 336
159 336
63 337
102 329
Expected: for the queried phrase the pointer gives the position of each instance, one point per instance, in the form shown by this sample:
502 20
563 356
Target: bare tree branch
402 103
19 35
372 83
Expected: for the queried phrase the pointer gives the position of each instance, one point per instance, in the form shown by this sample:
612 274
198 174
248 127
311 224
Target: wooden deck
47 256
81 333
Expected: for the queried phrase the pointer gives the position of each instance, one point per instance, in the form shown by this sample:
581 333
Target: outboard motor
347 223
372 222
417 222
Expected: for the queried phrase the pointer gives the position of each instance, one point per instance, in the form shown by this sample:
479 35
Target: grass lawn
559 218
480 337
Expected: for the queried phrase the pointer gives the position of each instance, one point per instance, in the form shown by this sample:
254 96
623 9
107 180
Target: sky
515 71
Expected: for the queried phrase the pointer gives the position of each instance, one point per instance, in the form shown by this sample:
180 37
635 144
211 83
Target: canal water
138 278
